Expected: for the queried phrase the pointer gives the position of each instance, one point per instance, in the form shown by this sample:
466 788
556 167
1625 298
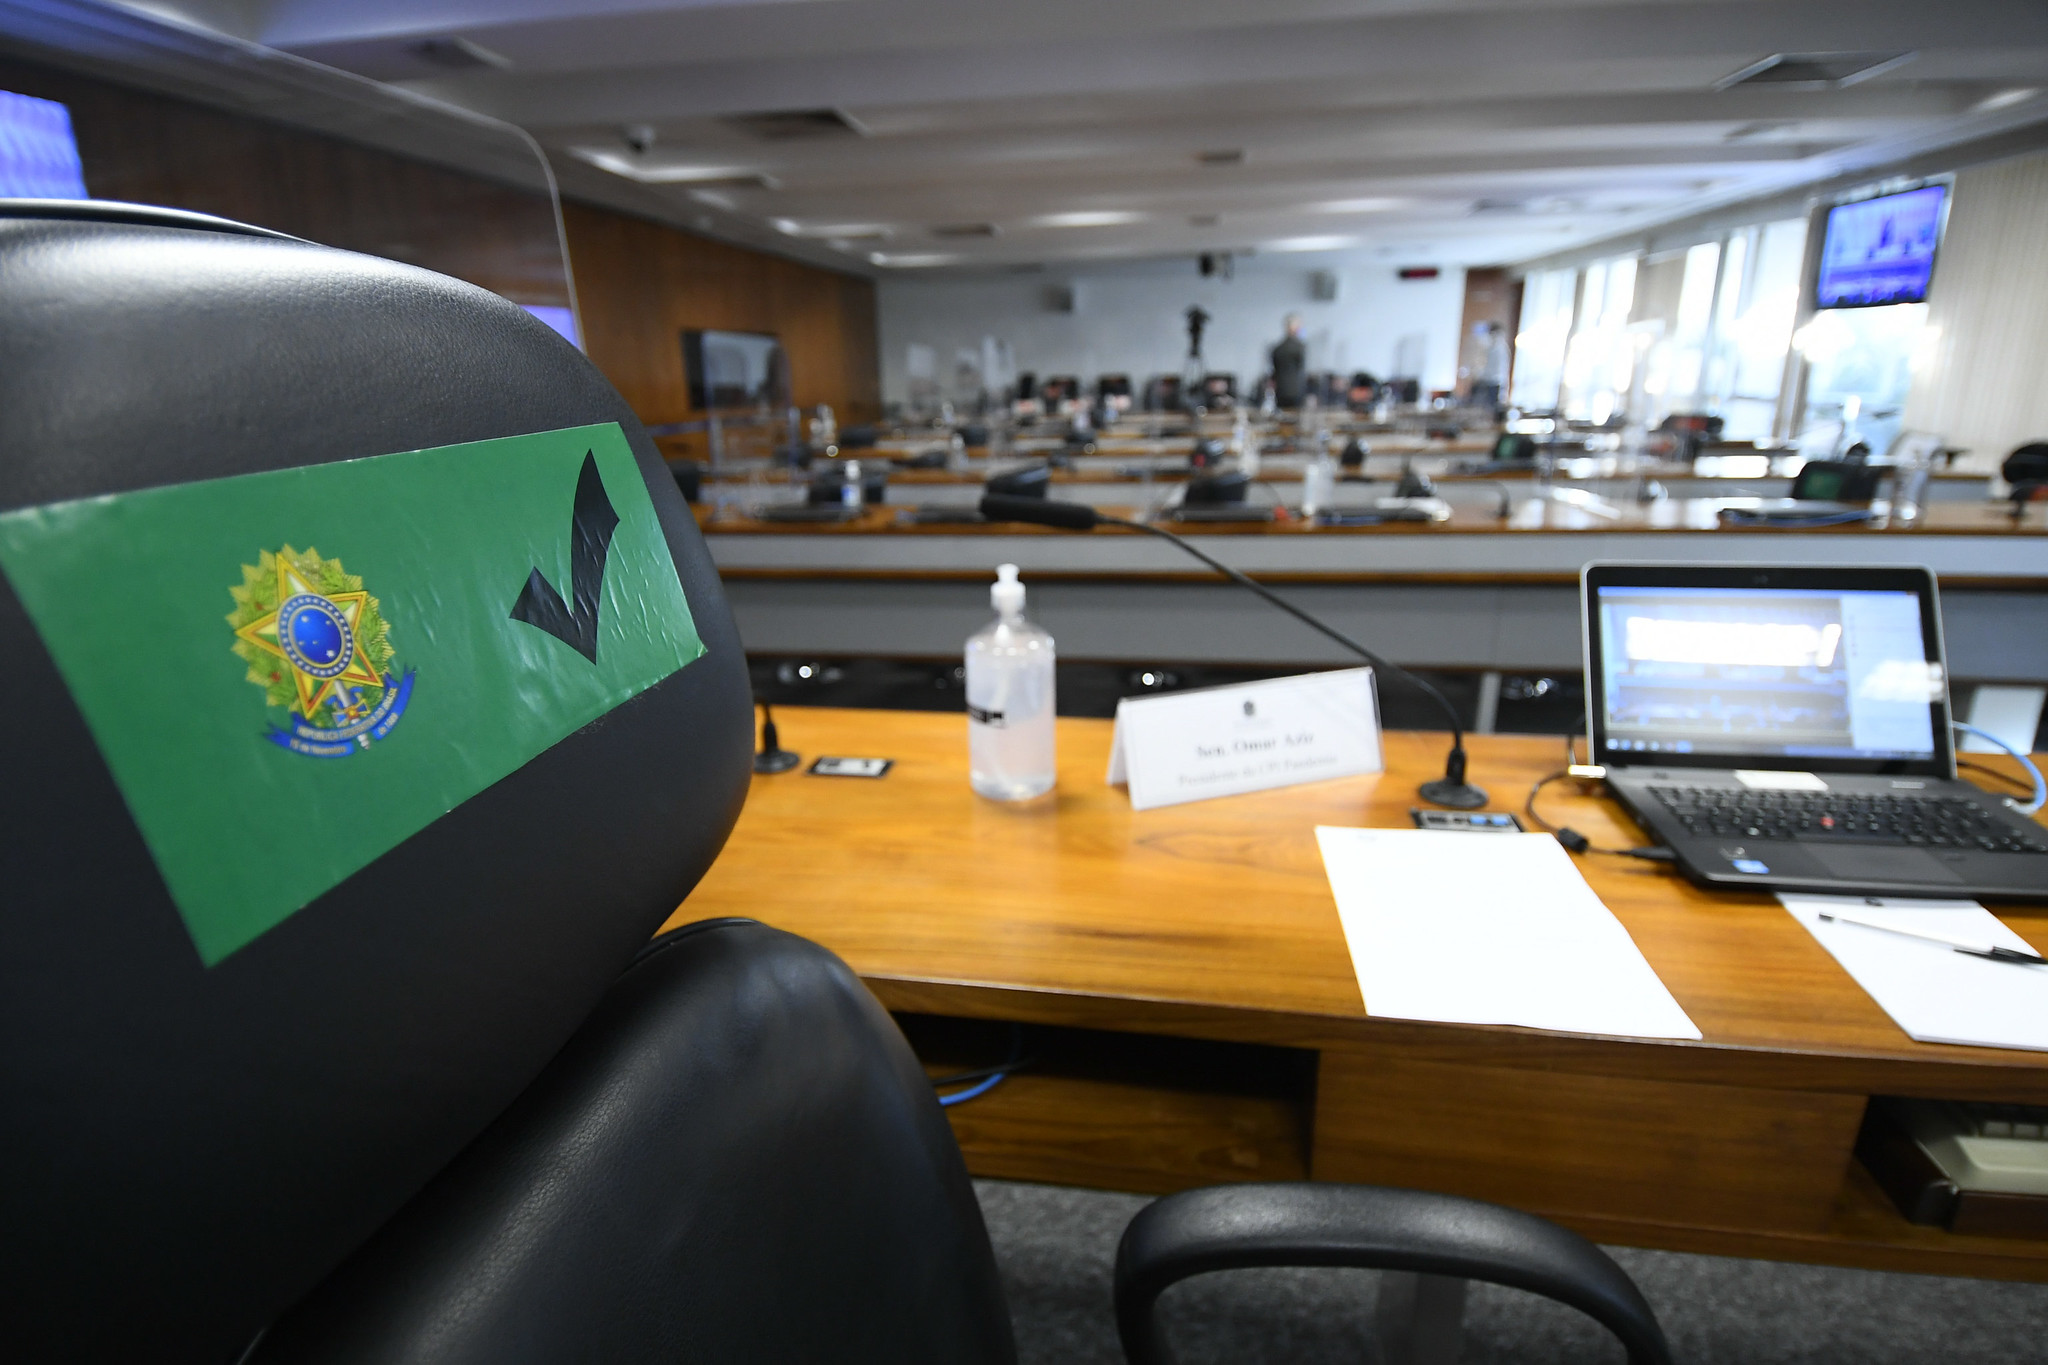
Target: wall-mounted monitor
38 155
734 369
1880 251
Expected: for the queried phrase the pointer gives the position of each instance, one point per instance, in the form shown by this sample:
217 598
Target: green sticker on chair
290 673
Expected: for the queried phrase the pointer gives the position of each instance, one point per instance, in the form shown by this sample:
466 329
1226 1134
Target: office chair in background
459 1108
2026 470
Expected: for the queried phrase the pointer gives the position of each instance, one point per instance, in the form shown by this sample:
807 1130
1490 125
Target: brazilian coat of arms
318 646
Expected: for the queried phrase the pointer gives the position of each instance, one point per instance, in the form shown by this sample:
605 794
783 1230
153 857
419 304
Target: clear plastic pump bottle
1010 699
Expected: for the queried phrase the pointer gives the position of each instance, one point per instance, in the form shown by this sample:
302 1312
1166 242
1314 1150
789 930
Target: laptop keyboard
1832 817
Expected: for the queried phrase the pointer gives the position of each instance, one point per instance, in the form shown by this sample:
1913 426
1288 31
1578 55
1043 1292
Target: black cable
981 1073
2023 783
1571 838
990 1074
1454 767
1579 843
1449 790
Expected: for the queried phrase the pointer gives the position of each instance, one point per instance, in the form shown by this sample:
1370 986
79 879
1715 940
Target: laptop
1787 728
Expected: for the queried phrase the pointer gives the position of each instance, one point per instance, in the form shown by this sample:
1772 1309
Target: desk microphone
772 758
1450 790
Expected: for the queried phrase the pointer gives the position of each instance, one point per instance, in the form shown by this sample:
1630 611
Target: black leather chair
460 1108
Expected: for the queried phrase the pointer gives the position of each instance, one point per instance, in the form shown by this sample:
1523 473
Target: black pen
1995 954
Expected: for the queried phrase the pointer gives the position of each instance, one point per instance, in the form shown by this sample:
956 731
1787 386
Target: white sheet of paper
1935 994
1224 741
1489 929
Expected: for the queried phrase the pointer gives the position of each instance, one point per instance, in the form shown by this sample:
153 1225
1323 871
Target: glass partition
160 112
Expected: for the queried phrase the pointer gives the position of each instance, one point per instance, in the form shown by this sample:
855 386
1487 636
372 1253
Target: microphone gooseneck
1450 790
772 757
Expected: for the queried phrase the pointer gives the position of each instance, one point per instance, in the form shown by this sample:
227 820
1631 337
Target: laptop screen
1837 675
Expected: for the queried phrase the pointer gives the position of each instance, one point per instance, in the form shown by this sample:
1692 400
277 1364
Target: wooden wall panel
1489 297
151 149
641 284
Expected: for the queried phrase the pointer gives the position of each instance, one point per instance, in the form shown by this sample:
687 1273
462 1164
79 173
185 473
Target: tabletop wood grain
1215 919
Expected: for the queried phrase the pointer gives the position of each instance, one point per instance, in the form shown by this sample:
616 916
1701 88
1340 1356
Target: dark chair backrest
1218 490
828 486
191 1148
737 1158
1032 481
1836 481
2026 464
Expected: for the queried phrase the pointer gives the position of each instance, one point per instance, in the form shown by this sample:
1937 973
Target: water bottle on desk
1010 699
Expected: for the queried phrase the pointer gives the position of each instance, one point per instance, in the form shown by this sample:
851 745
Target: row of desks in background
1964 540
1475 592
1103 483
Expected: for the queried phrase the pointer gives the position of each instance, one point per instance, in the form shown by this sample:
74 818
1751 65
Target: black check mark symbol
591 523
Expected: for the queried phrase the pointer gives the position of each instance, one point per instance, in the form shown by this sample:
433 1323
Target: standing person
1290 365
1491 383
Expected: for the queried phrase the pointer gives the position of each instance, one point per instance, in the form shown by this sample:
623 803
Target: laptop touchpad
1862 862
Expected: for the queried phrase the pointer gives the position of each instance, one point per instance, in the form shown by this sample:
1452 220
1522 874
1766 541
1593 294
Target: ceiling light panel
1087 218
1379 205
1815 70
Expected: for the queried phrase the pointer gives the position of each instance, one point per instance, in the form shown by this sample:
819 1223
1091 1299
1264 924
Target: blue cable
2040 787
962 1096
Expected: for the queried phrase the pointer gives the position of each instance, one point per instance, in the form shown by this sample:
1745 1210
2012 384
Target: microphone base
1455 795
782 760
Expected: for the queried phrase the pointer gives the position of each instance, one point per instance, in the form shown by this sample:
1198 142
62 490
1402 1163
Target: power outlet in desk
1465 821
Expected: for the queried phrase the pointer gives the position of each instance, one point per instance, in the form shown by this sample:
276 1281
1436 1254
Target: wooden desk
1212 924
1474 592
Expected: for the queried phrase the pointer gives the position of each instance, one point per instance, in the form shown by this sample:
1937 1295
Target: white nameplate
1220 741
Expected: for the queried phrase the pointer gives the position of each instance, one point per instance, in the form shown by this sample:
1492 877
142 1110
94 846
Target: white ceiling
1443 131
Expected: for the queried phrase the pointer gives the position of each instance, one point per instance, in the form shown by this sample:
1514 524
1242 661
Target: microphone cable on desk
1571 838
1450 790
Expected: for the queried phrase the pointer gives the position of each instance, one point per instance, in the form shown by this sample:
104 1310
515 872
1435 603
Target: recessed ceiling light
1311 244
852 232
1815 70
2005 99
788 125
910 260
1087 218
674 173
1380 205
460 54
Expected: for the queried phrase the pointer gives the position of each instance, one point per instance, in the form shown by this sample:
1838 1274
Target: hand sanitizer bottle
849 492
1010 699
1319 480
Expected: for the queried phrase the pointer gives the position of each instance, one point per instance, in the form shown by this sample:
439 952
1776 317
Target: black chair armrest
1234 1227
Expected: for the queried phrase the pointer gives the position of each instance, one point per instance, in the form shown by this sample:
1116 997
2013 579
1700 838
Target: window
1757 302
1547 298
1599 361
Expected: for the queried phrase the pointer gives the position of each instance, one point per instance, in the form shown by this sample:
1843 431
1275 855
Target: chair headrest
217 1110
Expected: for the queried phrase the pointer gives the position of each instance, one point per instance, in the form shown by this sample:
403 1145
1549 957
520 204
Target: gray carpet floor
1056 1247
